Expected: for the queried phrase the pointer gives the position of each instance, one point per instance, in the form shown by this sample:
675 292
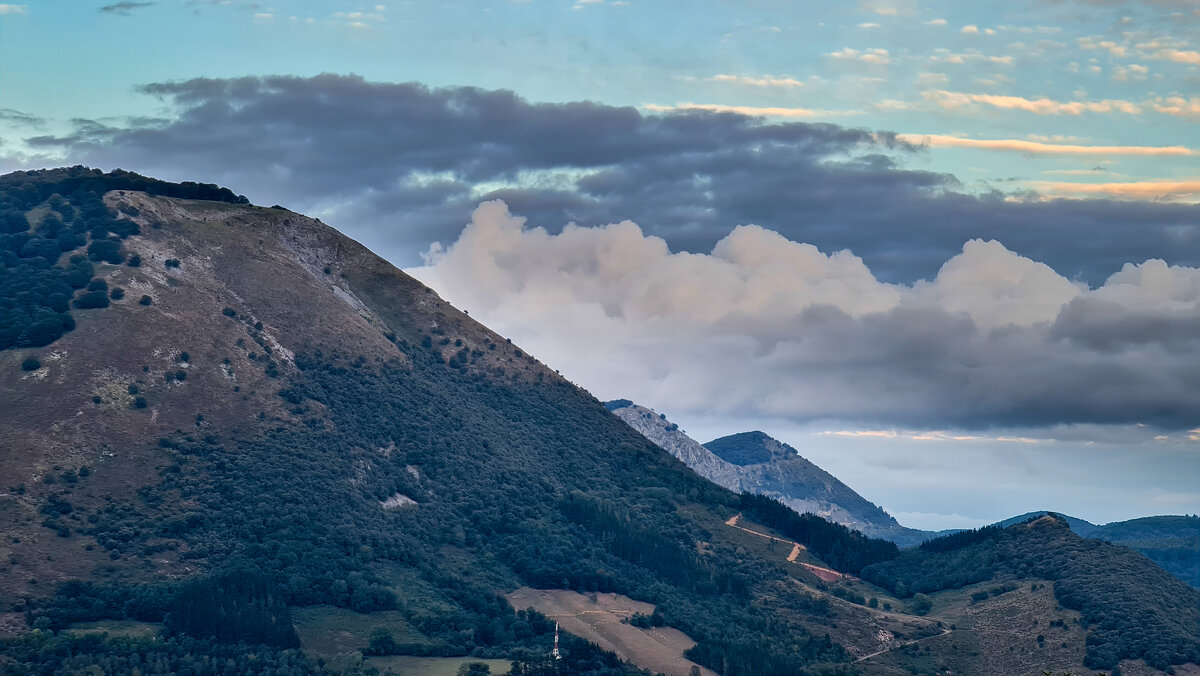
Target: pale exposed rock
398 501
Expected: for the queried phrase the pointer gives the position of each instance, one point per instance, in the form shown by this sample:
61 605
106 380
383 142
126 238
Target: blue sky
1079 74
971 241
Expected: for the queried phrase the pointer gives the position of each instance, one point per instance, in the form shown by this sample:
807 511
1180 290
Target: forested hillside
1173 542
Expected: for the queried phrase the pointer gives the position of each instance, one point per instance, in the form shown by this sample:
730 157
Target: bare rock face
757 463
673 440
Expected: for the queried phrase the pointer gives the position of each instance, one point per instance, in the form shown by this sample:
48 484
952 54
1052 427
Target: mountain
756 463
770 467
667 435
1172 542
237 441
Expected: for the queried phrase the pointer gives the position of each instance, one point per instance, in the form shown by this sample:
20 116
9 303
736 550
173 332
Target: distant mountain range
756 463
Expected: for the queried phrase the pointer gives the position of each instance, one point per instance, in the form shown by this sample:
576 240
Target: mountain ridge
757 463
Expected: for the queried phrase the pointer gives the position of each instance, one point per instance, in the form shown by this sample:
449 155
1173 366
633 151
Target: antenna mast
555 653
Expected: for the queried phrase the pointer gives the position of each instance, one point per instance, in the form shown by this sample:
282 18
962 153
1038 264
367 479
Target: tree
382 642
921 604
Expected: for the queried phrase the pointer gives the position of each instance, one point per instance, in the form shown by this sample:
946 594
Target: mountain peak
750 448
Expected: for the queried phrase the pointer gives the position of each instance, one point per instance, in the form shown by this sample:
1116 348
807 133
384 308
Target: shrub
31 364
117 293
145 300
139 402
382 642
172 262
92 299
135 261
229 312
107 250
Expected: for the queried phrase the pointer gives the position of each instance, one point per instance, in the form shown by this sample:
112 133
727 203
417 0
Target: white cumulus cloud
765 326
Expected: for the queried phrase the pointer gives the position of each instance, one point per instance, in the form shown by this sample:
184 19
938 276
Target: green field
327 630
115 628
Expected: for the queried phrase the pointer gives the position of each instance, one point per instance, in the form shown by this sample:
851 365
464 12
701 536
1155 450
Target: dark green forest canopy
44 265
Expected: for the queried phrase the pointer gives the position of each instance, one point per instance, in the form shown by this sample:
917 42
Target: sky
950 251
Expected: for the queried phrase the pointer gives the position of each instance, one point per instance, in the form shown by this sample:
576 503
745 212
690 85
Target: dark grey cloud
17 117
124 8
401 165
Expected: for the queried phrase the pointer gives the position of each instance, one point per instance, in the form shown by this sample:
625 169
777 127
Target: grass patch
114 628
327 630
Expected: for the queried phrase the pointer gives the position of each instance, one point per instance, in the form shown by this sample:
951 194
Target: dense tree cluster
84 655
238 605
843 549
45 218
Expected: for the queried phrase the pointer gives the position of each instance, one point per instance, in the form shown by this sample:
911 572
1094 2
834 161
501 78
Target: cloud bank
763 326
398 166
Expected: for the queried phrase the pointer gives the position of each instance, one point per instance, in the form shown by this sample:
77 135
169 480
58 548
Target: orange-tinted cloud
1017 145
1039 106
1169 189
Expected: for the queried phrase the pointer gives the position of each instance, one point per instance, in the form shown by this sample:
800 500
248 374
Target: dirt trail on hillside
826 574
598 618
901 645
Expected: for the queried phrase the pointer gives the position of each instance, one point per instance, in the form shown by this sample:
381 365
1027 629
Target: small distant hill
756 463
1132 610
1172 542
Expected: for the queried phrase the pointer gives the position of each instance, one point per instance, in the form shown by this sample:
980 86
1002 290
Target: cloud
936 22
398 166
868 25
124 8
1040 106
1179 56
970 29
18 117
753 111
13 9
1178 106
1035 147
874 56
766 327
763 81
1166 189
